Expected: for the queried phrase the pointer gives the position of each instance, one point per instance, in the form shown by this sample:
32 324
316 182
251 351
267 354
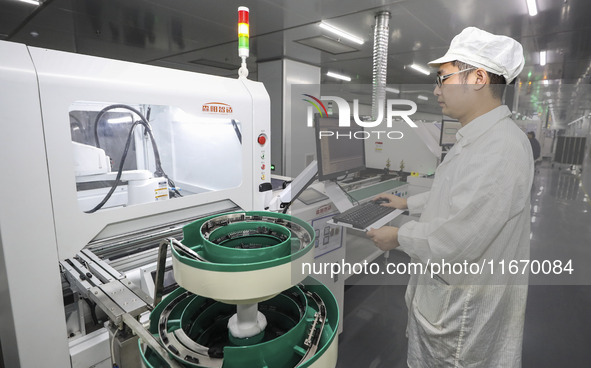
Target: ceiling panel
327 44
174 33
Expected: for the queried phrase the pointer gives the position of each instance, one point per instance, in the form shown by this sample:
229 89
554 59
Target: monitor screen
449 128
339 150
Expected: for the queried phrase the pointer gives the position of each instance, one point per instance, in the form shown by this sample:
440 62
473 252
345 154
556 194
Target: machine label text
216 108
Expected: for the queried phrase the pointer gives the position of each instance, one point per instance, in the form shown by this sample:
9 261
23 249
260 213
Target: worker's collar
481 125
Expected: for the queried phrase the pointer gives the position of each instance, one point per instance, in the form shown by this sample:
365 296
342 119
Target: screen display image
449 128
339 150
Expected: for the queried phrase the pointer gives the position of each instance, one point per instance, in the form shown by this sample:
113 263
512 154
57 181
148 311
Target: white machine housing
40 220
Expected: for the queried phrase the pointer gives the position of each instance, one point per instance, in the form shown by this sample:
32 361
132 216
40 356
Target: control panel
262 146
328 237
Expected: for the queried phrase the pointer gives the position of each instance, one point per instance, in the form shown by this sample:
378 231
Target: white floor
558 315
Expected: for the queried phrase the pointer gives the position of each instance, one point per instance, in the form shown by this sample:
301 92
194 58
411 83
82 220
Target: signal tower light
243 38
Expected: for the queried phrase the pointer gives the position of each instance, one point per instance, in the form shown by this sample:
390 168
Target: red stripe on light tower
243 14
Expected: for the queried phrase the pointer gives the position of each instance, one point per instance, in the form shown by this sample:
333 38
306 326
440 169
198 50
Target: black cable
238 134
119 172
159 171
174 191
345 177
144 122
92 306
100 115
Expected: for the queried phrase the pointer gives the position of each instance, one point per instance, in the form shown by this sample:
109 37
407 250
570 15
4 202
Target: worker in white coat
476 215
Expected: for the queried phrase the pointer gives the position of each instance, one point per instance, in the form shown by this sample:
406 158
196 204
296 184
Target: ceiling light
32 2
532 7
339 76
420 69
542 58
424 98
341 33
392 89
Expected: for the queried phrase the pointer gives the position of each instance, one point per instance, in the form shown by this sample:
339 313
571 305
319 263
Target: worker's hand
393 201
385 238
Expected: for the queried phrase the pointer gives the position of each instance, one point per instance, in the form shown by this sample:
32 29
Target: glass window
132 154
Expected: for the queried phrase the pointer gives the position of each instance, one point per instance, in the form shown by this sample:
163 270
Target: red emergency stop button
262 139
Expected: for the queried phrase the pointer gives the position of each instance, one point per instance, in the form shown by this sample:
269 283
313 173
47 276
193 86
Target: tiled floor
558 317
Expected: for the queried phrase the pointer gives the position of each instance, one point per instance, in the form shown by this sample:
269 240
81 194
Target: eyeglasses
440 78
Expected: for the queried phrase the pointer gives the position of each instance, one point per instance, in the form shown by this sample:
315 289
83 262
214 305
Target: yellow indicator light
242 29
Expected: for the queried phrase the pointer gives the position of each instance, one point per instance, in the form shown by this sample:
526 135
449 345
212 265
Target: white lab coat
477 210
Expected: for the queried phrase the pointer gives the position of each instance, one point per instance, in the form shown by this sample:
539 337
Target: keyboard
363 215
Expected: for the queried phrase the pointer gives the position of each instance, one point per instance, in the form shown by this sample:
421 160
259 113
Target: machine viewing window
339 150
131 154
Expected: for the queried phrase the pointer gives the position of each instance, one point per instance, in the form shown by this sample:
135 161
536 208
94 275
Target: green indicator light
272 167
243 42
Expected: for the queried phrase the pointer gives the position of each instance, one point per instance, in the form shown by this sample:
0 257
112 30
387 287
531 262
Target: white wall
292 142
298 138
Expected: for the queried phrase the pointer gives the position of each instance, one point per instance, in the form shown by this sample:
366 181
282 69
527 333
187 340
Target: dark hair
497 82
532 134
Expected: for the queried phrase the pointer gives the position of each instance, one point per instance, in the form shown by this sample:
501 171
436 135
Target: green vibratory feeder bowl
243 300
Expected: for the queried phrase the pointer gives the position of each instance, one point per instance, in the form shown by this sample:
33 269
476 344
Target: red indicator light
243 14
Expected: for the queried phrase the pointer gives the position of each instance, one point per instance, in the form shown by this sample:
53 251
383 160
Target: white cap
500 55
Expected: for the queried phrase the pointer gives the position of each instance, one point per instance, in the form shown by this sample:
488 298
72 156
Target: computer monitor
339 150
449 128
